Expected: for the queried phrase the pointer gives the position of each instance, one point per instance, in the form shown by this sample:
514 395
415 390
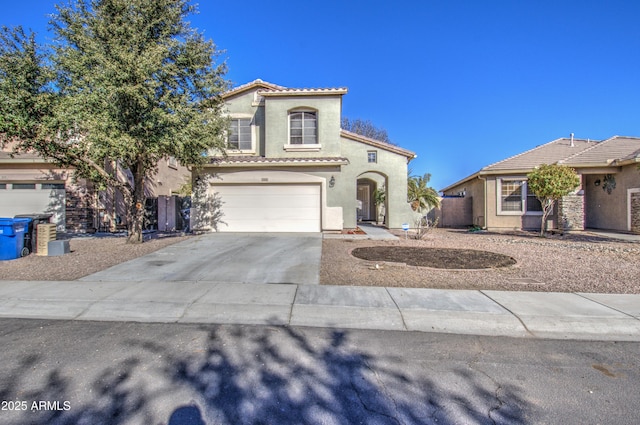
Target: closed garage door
269 208
28 198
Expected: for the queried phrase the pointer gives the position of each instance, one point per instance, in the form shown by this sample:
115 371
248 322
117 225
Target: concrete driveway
229 258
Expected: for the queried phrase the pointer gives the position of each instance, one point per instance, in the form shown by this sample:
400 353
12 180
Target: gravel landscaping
571 263
88 255
577 262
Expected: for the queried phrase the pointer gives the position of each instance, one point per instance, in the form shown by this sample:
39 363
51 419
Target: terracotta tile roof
584 154
253 84
304 91
248 159
378 144
549 153
270 89
617 148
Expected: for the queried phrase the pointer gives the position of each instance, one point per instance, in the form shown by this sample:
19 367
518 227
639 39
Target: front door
364 202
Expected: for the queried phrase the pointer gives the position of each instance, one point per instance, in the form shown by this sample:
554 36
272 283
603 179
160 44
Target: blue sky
461 83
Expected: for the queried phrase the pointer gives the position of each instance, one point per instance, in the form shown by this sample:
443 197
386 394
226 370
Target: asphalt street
71 372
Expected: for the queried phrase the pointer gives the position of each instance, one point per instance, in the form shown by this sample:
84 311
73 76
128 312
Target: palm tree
379 199
421 196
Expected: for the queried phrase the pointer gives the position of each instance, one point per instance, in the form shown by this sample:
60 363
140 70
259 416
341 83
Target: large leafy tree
550 183
420 195
126 83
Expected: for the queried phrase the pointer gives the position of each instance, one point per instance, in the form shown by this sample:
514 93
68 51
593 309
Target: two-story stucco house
291 168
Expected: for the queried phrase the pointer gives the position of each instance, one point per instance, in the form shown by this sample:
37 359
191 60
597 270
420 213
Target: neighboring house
291 168
608 198
29 184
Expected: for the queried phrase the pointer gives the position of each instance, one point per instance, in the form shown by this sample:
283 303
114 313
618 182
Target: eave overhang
378 144
249 161
303 92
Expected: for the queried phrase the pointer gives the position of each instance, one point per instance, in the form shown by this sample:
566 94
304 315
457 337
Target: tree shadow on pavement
260 375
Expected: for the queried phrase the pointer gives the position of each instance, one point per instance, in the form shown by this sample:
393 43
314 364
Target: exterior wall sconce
332 181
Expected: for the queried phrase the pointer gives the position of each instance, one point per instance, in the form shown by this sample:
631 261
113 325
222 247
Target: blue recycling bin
12 237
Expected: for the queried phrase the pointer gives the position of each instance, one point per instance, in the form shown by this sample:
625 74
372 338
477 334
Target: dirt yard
577 262
88 255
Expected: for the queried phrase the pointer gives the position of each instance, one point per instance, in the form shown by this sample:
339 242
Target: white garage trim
269 207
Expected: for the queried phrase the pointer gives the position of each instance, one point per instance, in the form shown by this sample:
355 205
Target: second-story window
240 134
303 128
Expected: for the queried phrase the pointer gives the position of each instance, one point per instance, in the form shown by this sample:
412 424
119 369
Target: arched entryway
367 185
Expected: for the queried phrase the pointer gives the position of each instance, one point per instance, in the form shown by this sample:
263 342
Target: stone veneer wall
635 212
79 208
571 212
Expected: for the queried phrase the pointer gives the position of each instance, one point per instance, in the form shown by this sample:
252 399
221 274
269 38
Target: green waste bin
12 237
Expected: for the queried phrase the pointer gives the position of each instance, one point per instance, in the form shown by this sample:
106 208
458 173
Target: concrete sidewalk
515 314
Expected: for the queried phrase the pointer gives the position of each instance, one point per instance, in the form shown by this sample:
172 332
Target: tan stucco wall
473 189
167 180
610 211
502 221
490 217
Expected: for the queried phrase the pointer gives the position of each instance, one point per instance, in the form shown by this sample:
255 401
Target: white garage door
269 208
29 198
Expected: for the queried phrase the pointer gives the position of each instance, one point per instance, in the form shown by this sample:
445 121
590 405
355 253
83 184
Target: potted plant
379 199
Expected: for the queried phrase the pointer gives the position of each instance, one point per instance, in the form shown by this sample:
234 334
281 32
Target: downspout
484 186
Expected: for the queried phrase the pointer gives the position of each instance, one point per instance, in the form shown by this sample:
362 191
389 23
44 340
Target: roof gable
253 85
270 89
377 143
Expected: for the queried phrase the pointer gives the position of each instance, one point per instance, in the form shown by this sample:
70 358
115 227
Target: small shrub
423 226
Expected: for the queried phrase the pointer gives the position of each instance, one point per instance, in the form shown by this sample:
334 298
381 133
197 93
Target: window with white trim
303 128
511 196
372 157
515 199
240 134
